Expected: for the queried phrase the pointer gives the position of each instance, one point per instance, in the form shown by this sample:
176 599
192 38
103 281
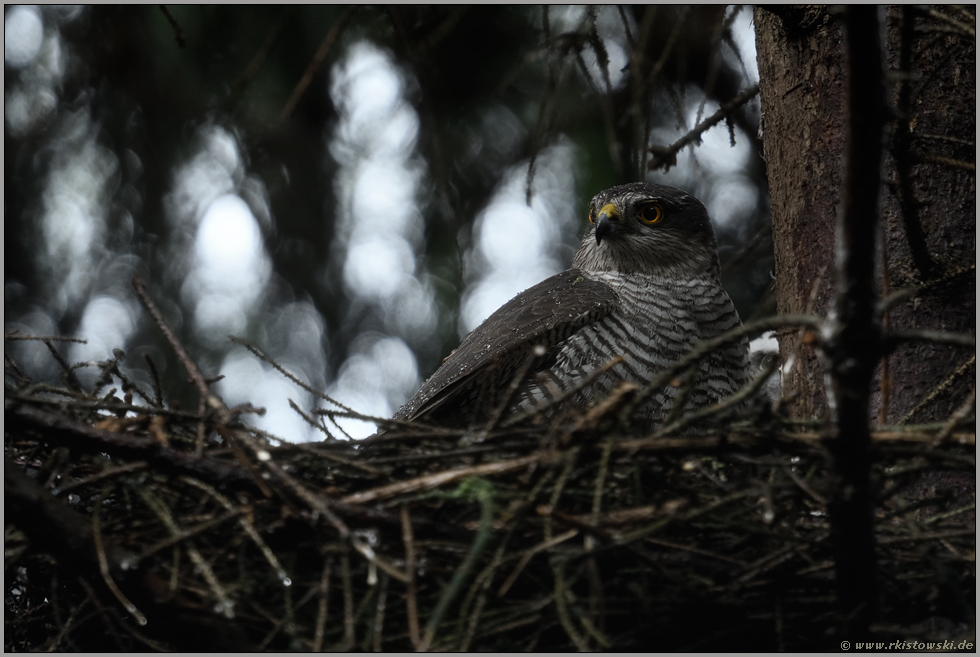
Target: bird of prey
643 286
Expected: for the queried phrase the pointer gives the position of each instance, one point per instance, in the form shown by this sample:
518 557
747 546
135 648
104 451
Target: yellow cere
609 209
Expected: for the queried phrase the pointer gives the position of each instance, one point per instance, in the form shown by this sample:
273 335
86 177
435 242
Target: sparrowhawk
643 285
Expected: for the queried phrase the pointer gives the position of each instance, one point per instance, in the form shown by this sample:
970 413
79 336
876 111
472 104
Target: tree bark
928 194
929 206
814 86
803 92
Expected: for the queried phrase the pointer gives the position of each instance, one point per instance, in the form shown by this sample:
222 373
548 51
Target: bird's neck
664 263
618 279
687 270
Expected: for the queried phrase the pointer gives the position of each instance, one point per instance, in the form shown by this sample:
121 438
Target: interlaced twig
747 496
668 156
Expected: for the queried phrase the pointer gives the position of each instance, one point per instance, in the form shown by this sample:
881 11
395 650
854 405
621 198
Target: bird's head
650 229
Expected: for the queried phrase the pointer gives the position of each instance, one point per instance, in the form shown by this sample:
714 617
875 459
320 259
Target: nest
131 526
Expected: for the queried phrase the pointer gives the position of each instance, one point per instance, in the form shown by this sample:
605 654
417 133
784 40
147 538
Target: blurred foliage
149 79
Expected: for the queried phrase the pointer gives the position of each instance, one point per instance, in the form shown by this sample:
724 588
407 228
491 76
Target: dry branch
554 536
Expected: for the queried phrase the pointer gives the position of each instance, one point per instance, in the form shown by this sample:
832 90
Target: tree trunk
928 196
813 90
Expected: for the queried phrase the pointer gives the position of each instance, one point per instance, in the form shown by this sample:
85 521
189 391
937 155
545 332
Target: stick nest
131 525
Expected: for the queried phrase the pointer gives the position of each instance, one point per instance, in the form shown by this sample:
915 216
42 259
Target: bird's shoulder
567 298
544 314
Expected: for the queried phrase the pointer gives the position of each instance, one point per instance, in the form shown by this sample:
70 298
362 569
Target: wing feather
545 314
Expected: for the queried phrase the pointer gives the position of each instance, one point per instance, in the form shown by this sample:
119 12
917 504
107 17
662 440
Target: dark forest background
350 189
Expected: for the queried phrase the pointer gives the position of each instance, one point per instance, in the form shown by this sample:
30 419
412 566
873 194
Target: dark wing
545 314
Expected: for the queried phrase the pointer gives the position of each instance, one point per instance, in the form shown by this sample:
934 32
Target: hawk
643 286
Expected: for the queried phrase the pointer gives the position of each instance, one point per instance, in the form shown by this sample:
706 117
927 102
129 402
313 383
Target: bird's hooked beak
607 222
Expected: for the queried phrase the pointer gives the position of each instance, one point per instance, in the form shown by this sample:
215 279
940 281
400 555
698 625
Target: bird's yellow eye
591 215
651 214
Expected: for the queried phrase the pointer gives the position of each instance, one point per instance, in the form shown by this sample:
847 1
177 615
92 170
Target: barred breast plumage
643 285
655 324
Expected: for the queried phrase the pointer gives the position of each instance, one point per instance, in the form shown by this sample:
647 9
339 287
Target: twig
529 554
225 605
668 155
263 52
277 624
316 502
853 347
317 60
944 386
928 536
565 394
64 431
232 439
178 33
485 580
379 613
639 109
324 599
600 479
953 140
200 430
642 532
949 161
311 448
63 630
433 38
374 561
85 403
411 604
104 567
962 27
561 606
112 367
190 532
906 293
182 355
693 550
902 145
479 589
155 376
893 339
949 514
515 384
956 418
440 478
345 579
105 474
767 562
102 611
245 524
747 249
14 369
820 499
729 402
485 498
704 348
319 426
594 632
70 379
289 375
668 49
42 338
